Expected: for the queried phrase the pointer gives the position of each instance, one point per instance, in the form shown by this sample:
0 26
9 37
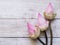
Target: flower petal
31 28
43 24
49 8
41 19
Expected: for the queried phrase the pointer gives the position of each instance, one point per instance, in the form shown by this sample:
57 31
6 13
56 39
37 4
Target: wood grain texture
18 28
14 15
25 41
25 9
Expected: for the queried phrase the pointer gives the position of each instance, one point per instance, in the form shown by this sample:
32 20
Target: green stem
46 37
51 35
41 41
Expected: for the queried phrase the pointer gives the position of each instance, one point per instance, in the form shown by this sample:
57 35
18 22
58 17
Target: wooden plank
26 8
7 41
31 42
25 41
18 28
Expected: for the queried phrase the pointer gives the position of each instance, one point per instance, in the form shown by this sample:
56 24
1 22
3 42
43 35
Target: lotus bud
43 24
34 31
49 12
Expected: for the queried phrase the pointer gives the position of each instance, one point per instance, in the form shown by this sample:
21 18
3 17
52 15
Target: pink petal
31 28
49 8
41 20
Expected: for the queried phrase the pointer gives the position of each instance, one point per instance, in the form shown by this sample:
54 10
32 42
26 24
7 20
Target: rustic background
14 14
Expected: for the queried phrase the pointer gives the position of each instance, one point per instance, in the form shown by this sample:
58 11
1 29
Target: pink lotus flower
34 32
42 23
49 12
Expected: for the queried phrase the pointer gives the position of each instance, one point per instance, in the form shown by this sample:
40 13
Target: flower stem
46 38
41 41
51 35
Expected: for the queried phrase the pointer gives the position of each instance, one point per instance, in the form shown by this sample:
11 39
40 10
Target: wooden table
14 14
